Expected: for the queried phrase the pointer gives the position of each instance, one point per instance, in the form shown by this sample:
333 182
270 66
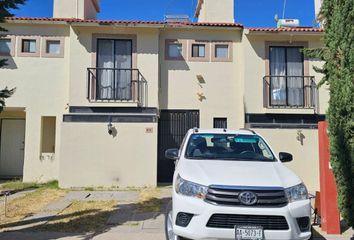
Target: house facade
97 102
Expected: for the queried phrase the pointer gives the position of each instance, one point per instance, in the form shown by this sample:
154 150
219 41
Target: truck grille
231 220
266 197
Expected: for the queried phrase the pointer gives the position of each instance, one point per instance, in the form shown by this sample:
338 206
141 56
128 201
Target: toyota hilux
231 185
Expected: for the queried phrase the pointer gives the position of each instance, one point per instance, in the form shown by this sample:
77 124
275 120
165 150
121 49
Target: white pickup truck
230 185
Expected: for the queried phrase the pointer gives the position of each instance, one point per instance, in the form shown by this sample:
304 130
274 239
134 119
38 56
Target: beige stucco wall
42 90
306 157
92 157
222 86
83 9
217 11
82 57
254 48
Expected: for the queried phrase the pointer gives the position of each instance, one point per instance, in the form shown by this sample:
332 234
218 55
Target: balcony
116 85
290 92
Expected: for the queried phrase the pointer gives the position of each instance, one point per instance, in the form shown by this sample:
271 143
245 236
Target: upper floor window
5 46
222 51
286 68
175 49
29 46
198 50
52 47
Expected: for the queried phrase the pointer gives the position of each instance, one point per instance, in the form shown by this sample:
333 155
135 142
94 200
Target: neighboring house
146 83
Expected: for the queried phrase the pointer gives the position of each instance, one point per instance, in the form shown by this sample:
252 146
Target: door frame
14 119
160 154
114 61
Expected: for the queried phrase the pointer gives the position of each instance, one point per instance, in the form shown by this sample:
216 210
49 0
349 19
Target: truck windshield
228 147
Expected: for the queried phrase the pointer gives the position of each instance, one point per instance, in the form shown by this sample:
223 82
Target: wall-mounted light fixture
300 137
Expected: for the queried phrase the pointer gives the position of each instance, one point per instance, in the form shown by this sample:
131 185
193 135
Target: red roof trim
74 20
297 29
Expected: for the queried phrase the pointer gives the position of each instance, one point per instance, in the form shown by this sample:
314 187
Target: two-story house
97 102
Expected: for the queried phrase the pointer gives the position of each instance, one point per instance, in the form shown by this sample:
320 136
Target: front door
114 69
173 126
12 147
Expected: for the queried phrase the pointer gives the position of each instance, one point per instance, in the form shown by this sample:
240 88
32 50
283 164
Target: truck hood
237 173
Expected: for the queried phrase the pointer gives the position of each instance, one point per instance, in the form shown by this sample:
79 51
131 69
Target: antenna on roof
284 7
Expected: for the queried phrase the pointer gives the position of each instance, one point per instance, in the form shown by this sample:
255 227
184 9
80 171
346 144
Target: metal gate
173 125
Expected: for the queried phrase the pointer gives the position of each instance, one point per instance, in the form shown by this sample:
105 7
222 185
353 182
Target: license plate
249 233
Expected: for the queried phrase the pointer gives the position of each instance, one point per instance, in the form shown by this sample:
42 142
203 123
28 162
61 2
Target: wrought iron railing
116 84
290 92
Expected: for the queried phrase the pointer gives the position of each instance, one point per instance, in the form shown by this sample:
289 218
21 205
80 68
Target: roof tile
75 20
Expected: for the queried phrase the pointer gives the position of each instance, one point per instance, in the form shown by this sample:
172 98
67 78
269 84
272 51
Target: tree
338 70
5 7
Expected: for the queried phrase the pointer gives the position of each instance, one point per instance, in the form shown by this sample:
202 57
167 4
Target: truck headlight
190 189
296 193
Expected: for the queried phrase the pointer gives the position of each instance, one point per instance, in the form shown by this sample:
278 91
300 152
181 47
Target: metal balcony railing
290 92
116 84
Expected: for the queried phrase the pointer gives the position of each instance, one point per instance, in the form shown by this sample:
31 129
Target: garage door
173 125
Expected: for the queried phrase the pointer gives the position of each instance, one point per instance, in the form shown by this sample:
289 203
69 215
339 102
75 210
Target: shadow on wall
166 67
10 63
85 38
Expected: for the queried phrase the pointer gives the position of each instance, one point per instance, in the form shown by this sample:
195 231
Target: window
53 47
48 135
198 50
221 51
220 122
286 78
5 46
175 50
29 46
228 147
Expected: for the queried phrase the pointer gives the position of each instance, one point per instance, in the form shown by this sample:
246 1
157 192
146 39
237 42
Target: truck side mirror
285 157
172 153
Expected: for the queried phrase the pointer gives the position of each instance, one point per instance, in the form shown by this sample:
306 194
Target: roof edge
127 22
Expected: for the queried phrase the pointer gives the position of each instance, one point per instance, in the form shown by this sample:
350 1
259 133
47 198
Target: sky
250 13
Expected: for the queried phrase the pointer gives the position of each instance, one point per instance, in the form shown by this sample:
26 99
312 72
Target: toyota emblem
247 198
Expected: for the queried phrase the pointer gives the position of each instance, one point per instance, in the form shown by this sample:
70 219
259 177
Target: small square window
29 46
220 122
222 51
175 50
53 47
5 46
198 50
